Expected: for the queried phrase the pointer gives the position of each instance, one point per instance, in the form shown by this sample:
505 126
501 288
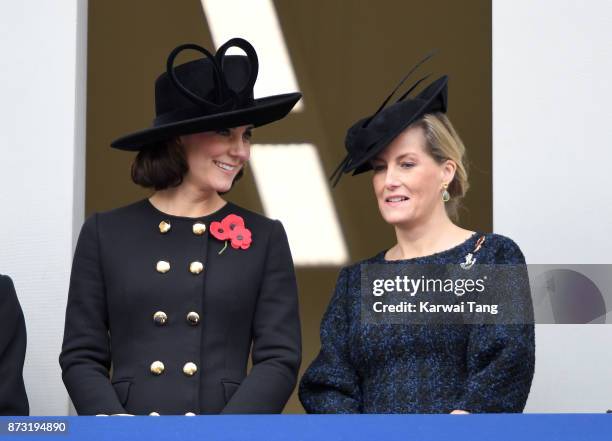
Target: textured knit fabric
420 368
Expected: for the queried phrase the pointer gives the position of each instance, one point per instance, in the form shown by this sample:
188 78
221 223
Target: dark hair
162 166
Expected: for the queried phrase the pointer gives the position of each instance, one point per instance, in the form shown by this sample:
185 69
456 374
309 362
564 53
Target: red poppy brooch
232 228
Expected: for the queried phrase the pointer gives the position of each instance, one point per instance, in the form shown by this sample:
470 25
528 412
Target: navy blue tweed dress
419 368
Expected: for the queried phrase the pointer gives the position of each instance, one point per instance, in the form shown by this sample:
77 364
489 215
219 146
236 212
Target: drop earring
445 193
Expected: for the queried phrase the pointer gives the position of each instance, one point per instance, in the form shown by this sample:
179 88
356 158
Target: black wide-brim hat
371 135
211 93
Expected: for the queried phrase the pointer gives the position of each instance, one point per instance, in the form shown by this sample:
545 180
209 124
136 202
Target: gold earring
445 193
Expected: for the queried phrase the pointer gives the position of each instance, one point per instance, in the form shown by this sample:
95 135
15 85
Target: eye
378 167
407 165
223 132
248 134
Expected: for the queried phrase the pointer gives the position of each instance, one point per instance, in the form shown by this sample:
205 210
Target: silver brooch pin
469 261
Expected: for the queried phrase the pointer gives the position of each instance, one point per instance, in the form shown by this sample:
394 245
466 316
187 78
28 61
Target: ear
448 169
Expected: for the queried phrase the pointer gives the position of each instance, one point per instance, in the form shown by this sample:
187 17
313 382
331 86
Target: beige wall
347 54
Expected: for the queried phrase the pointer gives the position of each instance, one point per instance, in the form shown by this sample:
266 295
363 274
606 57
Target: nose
240 149
391 179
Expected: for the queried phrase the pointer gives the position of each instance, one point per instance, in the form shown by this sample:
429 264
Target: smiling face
408 182
215 158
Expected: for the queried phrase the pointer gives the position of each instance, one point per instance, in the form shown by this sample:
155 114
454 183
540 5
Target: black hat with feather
370 135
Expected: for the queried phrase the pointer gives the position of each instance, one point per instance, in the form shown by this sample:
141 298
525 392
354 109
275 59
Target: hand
459 412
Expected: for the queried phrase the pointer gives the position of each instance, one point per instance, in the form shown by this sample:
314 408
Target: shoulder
120 216
267 233
254 220
6 285
503 249
350 274
5 280
355 267
262 228
8 297
134 210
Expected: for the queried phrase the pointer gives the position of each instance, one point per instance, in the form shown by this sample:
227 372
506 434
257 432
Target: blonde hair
443 143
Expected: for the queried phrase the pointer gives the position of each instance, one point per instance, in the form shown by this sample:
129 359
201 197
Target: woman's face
408 182
215 158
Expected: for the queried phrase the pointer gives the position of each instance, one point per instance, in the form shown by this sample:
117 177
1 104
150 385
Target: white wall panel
42 129
552 158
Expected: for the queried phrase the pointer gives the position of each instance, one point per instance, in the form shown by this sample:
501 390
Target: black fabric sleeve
13 398
501 358
276 353
331 384
86 358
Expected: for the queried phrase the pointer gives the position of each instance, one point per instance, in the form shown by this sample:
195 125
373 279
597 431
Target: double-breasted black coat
13 398
158 322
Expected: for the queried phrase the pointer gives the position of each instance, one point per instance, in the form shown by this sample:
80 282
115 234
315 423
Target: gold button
160 318
193 318
157 367
164 227
190 369
154 414
190 414
196 267
199 228
163 266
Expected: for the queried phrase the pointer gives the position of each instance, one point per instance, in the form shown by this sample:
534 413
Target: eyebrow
249 127
412 155
399 158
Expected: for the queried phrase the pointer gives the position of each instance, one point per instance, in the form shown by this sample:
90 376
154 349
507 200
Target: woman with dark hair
169 295
419 177
13 398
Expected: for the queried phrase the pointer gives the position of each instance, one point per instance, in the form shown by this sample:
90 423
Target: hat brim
264 111
437 93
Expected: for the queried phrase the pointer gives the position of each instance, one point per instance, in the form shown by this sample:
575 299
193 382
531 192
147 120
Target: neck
187 200
434 234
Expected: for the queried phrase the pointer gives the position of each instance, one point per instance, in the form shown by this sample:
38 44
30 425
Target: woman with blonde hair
419 178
